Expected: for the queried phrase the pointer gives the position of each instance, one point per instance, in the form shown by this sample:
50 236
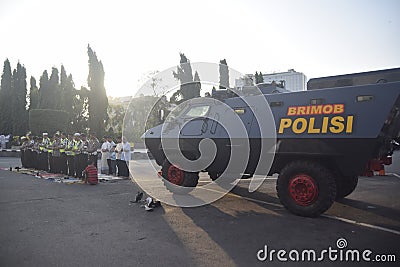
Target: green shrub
48 120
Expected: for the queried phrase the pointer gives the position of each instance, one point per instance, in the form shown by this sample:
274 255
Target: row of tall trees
190 83
258 78
145 112
85 108
13 102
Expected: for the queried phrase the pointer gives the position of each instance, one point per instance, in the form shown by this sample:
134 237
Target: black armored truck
321 142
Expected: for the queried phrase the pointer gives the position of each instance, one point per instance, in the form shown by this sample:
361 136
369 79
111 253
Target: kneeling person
90 174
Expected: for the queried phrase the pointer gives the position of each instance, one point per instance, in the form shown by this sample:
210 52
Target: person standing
118 152
29 152
24 152
63 159
82 156
49 148
36 153
2 141
76 151
125 156
113 157
56 154
70 154
105 154
93 145
111 148
44 155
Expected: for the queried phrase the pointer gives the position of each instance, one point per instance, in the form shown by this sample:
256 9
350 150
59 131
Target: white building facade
293 80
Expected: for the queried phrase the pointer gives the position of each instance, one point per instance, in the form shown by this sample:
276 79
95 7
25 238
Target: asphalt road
50 224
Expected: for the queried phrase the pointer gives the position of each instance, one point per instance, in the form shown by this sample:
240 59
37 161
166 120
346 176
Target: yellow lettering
311 128
296 123
349 126
285 123
291 111
316 109
338 108
327 109
325 122
301 110
337 124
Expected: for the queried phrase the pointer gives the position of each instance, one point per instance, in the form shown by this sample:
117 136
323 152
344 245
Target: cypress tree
33 94
19 112
188 88
69 100
67 91
44 101
197 84
6 99
223 74
97 97
80 109
260 77
54 90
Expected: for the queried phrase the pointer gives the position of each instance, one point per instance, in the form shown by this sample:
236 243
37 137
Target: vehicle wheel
306 188
345 185
178 181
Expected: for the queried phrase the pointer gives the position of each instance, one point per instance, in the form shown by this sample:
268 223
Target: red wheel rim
175 175
303 189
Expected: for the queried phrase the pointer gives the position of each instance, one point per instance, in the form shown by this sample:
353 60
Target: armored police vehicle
323 138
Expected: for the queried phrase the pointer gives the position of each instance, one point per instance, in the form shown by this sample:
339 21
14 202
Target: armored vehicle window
318 101
197 111
276 104
362 98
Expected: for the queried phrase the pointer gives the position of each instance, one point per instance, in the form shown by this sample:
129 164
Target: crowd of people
5 141
71 154
115 157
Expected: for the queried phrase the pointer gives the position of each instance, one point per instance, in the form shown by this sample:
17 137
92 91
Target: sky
132 38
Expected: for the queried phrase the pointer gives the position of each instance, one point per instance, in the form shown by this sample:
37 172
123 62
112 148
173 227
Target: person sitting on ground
90 174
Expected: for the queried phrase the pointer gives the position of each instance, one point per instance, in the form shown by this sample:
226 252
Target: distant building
292 80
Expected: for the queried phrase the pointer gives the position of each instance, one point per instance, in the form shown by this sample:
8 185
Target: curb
16 153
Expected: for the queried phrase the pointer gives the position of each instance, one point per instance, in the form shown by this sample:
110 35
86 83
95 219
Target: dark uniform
93 145
82 157
35 153
44 155
24 152
70 154
30 155
63 159
56 155
76 150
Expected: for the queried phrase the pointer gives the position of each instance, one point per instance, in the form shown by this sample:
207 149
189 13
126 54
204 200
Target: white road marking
376 227
362 224
394 174
258 179
248 198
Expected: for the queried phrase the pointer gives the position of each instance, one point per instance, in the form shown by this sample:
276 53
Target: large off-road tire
178 181
345 185
306 188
